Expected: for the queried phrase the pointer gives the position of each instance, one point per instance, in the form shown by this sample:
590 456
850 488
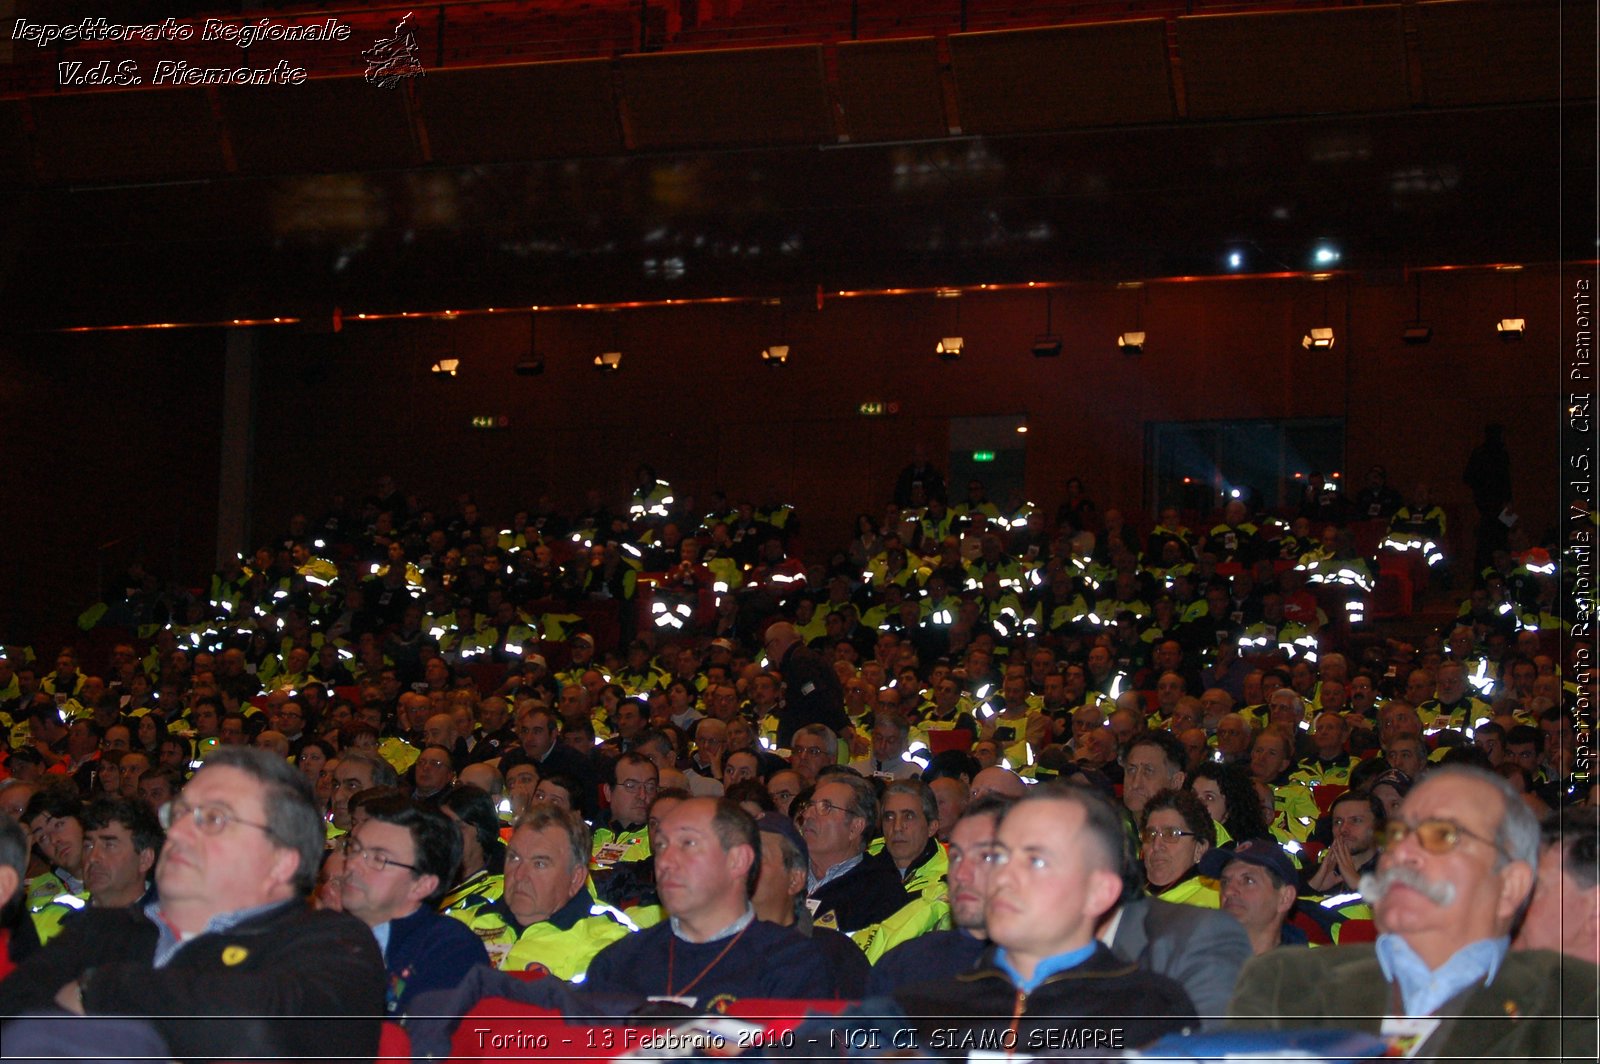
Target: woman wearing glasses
1175 832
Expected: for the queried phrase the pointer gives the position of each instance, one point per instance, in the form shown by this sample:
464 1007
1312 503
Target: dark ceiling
1399 139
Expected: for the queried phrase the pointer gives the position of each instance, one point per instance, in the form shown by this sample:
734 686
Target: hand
1326 877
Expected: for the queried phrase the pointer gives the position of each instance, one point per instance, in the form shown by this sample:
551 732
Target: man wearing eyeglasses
1456 869
849 888
396 868
230 937
625 838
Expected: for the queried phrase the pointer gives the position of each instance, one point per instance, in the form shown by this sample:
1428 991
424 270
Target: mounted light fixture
1047 344
775 354
533 365
1512 328
1416 332
608 361
1132 341
949 348
1320 337
446 367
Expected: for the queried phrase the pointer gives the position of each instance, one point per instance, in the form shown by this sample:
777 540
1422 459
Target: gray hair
383 773
918 790
291 807
830 741
1517 834
544 815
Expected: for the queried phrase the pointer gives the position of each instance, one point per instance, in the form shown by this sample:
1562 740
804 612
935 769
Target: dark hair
1374 805
1169 745
137 817
1576 829
735 827
173 777
476 809
632 757
437 844
57 799
752 790
1186 805
951 764
327 749
1244 819
1524 733
290 805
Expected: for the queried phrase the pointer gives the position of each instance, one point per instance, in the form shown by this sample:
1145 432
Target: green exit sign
490 421
983 456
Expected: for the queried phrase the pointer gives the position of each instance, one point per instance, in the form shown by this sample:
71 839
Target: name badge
1406 1034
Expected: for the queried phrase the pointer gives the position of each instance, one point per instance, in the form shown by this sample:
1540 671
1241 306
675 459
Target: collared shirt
815 882
1424 991
168 942
745 920
1055 965
381 933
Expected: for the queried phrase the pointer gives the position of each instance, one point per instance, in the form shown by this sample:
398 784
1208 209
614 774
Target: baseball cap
1259 852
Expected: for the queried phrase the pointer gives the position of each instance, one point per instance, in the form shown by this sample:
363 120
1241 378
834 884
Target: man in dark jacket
397 866
230 962
811 690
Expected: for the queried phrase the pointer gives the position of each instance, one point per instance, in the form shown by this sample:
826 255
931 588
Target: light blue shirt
168 943
816 882
1424 991
381 933
1061 962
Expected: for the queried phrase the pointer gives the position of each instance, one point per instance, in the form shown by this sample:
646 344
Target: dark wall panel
1012 81
1304 62
748 97
127 136
1493 52
539 111
889 90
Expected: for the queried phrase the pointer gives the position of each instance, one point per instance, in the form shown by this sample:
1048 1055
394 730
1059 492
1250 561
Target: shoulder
1560 979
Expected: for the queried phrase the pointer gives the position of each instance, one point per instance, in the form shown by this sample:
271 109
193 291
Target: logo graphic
391 60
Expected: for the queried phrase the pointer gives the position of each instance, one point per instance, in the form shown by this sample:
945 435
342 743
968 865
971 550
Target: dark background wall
114 436
109 449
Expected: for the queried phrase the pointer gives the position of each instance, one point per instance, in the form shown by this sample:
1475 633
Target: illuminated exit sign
983 456
877 408
491 421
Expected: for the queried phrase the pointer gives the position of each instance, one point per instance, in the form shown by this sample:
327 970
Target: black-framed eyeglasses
376 860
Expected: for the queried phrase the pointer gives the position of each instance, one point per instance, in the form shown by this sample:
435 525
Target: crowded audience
652 750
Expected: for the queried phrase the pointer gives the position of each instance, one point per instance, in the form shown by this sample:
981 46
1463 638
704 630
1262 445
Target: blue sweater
427 951
768 962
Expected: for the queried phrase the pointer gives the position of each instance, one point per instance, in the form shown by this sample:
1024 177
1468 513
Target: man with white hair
1457 868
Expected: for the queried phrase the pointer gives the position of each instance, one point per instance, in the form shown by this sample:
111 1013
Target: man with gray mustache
1454 877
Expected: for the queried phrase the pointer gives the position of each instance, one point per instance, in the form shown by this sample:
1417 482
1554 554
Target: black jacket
1115 1001
235 993
869 892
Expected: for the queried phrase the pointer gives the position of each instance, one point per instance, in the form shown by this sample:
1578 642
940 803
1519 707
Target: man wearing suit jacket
1203 949
1456 870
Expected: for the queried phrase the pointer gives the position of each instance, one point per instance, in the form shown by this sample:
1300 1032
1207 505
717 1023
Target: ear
1177 780
1286 898
577 878
9 881
797 882
147 861
421 887
1105 890
285 864
605 789
1516 881
740 858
